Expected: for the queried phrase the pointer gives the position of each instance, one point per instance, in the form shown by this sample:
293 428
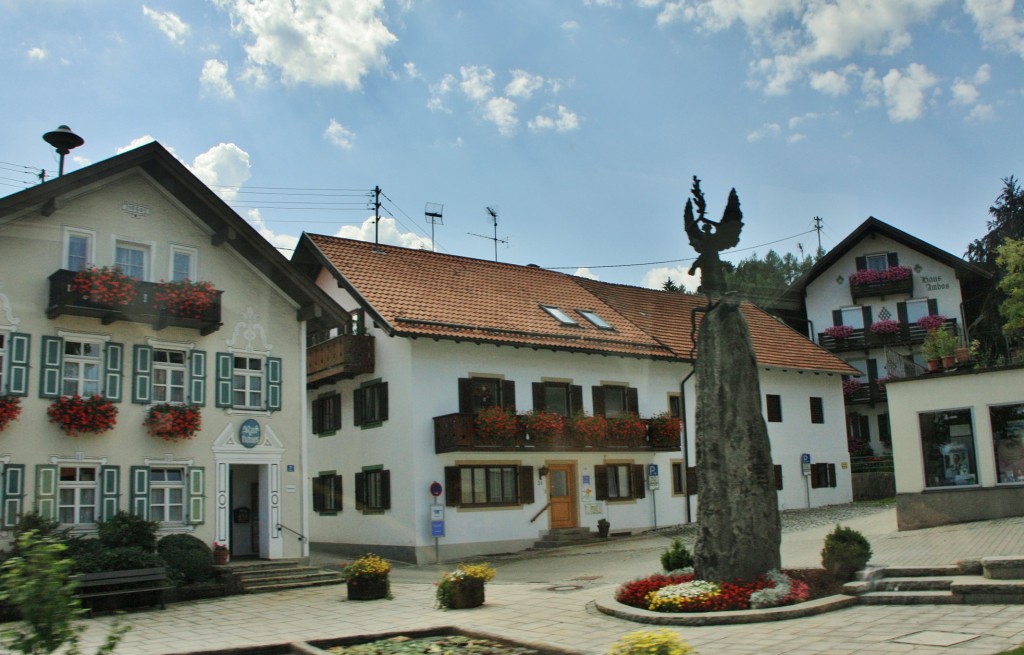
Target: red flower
10 409
173 422
627 428
75 414
185 298
590 429
105 286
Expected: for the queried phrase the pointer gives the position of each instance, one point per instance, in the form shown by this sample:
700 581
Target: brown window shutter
538 396
632 401
598 394
866 312
691 480
818 472
901 312
893 258
526 485
831 475
933 306
318 494
637 473
508 395
778 477
465 396
360 490
316 422
452 486
385 489
837 317
861 263
336 404
600 482
575 399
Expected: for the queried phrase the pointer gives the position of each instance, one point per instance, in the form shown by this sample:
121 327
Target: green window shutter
197 378
901 312
110 491
139 497
358 398
14 494
933 306
385 489
319 483
861 263
52 356
383 400
113 371
196 500
142 374
46 491
274 383
225 371
360 490
317 422
837 317
17 373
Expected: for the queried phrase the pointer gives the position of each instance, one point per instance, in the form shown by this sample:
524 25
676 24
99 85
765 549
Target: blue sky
580 121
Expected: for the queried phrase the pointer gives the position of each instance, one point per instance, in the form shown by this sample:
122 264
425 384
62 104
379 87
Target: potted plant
495 425
172 422
185 298
589 430
946 344
221 554
75 414
106 285
10 409
628 430
367 578
930 348
464 587
665 429
543 426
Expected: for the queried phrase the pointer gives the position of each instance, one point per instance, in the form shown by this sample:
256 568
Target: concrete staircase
277 575
971 582
559 537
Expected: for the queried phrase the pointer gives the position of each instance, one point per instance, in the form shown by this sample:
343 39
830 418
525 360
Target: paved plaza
547 598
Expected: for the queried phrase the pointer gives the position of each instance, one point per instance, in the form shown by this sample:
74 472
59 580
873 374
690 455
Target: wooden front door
562 495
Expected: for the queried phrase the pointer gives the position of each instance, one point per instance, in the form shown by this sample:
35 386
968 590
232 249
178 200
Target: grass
1019 650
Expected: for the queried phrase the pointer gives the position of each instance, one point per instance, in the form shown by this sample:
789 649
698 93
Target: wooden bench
150 583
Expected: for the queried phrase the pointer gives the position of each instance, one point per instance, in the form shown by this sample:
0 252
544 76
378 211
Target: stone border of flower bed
606 604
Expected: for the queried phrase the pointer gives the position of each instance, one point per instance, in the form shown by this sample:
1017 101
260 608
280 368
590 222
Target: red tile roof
417 293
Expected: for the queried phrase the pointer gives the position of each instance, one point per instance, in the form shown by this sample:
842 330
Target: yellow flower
651 642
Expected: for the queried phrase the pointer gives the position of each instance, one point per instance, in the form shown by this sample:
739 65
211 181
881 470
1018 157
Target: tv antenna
493 213
433 212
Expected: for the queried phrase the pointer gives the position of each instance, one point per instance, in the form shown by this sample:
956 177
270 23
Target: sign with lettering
933 283
249 433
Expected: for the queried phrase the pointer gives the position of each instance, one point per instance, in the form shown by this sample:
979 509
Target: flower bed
681 593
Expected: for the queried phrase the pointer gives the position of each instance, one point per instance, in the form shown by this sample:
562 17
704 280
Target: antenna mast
493 213
433 212
376 217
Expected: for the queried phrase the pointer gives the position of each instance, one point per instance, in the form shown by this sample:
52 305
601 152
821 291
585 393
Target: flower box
893 280
589 430
627 430
367 587
886 327
75 414
463 588
173 422
496 426
10 409
185 298
839 332
106 286
467 594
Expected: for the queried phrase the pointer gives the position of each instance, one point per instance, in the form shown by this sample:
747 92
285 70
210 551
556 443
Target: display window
947 443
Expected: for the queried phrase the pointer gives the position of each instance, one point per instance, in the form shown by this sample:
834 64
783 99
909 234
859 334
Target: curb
606 604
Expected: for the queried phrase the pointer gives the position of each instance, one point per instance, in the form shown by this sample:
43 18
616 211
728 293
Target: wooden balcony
143 309
871 394
865 339
886 288
339 358
458 433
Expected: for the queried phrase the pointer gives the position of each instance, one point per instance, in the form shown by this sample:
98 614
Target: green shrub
126 530
85 553
189 560
676 557
115 559
846 551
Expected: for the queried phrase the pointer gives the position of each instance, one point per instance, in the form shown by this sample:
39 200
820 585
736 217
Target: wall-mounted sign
435 489
134 209
249 433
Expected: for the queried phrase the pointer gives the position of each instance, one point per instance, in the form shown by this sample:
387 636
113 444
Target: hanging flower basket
10 409
75 414
173 422
494 425
185 298
105 286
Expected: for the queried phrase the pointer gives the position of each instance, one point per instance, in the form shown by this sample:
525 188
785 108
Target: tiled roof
417 293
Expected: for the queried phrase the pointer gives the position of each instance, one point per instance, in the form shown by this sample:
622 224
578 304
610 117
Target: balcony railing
458 433
870 393
882 288
143 309
864 338
341 357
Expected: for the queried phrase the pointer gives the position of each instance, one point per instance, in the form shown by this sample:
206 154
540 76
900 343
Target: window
327 492
852 316
488 485
675 405
373 490
858 431
246 381
183 264
131 259
77 491
823 475
593 317
327 414
247 385
878 262
77 249
167 495
861 365
558 398
678 478
614 400
947 444
168 376
817 410
559 315
774 407
77 364
3 363
917 309
1008 435
81 368
477 393
619 481
370 403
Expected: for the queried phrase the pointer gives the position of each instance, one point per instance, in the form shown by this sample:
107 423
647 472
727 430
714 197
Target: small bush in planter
651 642
676 557
126 530
189 560
846 551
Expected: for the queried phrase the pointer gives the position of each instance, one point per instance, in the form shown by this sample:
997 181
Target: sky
578 123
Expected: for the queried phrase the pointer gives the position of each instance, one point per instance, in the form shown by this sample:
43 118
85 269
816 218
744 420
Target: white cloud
285 243
173 27
997 24
967 94
438 92
411 70
564 121
135 143
765 131
323 43
523 84
223 165
981 113
983 74
585 272
476 82
831 83
214 79
339 135
656 278
796 137
571 26
905 92
502 112
388 232
964 93
36 53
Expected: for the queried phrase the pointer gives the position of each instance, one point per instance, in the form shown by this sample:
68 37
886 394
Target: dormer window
878 261
559 315
594 318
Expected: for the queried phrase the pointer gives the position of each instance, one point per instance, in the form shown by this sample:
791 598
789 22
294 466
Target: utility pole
376 217
817 228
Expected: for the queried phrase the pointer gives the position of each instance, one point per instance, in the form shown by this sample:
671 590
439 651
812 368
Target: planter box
467 594
367 587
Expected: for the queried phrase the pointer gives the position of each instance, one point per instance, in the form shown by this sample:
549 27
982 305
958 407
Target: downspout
305 480
686 437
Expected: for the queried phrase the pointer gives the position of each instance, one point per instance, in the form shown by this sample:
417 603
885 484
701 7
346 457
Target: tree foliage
763 279
1011 263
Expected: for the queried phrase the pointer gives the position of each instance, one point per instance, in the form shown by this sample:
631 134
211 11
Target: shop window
373 489
1008 435
817 410
370 403
327 414
947 444
773 404
619 481
327 492
488 485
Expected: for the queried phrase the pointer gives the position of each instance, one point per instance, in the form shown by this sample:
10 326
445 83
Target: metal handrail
301 536
542 510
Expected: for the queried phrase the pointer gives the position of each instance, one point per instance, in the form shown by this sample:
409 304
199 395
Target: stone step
910 598
1003 568
913 584
296 584
240 567
282 579
565 532
921 571
257 574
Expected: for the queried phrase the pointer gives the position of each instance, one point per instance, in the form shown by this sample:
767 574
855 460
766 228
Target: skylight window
595 319
559 315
